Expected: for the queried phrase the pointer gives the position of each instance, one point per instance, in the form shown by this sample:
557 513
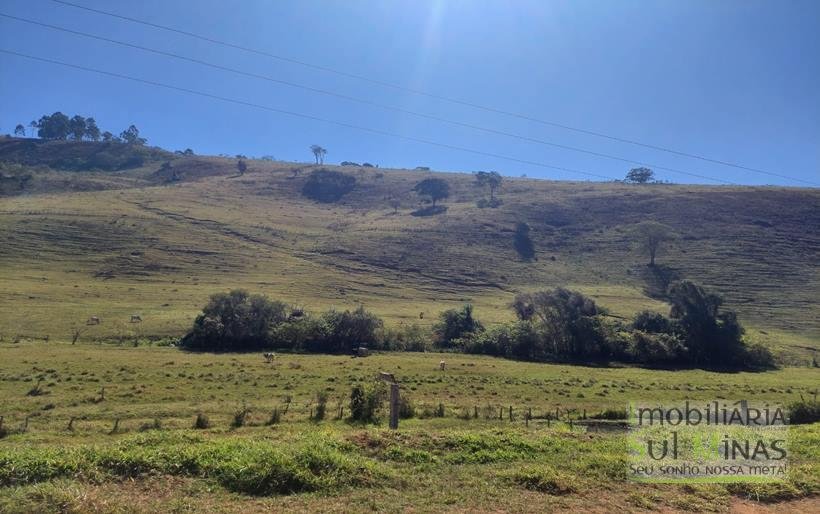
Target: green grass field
111 244
431 464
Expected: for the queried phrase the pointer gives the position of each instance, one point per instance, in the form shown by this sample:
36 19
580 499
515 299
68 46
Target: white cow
442 365
269 356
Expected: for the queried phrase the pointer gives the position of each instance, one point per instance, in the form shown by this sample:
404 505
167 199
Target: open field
431 464
111 244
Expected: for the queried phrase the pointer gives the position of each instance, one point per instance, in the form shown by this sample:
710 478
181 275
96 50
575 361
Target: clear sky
732 80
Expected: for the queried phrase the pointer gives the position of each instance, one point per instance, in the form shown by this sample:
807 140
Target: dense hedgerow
557 325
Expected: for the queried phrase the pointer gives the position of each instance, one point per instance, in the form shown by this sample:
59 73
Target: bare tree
651 235
318 153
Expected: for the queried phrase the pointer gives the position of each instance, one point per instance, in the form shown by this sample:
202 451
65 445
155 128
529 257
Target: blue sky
732 80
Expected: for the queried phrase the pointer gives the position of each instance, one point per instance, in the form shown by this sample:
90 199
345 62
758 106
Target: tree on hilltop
318 153
489 179
640 175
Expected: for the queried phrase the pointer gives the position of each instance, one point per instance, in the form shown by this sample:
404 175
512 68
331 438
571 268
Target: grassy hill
140 238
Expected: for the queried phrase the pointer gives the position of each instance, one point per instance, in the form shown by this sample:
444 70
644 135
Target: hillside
142 239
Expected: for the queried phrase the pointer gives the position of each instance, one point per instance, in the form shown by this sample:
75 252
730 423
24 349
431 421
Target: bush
804 412
321 406
406 408
347 330
240 417
202 422
365 402
328 186
522 242
653 322
235 321
408 338
651 348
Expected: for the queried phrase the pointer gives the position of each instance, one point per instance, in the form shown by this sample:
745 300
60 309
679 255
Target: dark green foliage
640 175
366 402
131 136
344 331
328 186
657 348
712 337
433 188
456 324
522 242
56 126
235 321
804 411
653 322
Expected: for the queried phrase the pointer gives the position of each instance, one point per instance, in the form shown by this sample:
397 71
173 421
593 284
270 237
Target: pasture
155 460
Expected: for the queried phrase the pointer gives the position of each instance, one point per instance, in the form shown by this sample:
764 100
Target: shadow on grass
430 211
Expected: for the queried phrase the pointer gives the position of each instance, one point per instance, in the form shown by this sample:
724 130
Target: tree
235 321
56 126
92 132
563 318
107 136
77 128
131 136
20 130
435 188
651 235
318 153
712 337
490 179
640 175
456 324
241 166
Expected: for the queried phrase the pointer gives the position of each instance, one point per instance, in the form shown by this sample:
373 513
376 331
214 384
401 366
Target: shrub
522 242
321 406
240 417
656 323
202 422
804 412
347 330
328 186
365 402
651 348
406 408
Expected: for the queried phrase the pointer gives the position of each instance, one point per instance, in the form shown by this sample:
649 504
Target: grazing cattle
442 366
269 356
135 318
93 320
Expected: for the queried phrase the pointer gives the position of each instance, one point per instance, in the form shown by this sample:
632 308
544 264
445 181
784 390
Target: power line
364 101
305 116
423 93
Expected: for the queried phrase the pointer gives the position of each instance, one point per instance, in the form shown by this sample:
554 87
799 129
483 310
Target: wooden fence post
394 406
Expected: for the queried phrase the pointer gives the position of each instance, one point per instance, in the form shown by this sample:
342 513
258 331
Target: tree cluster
59 126
560 325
